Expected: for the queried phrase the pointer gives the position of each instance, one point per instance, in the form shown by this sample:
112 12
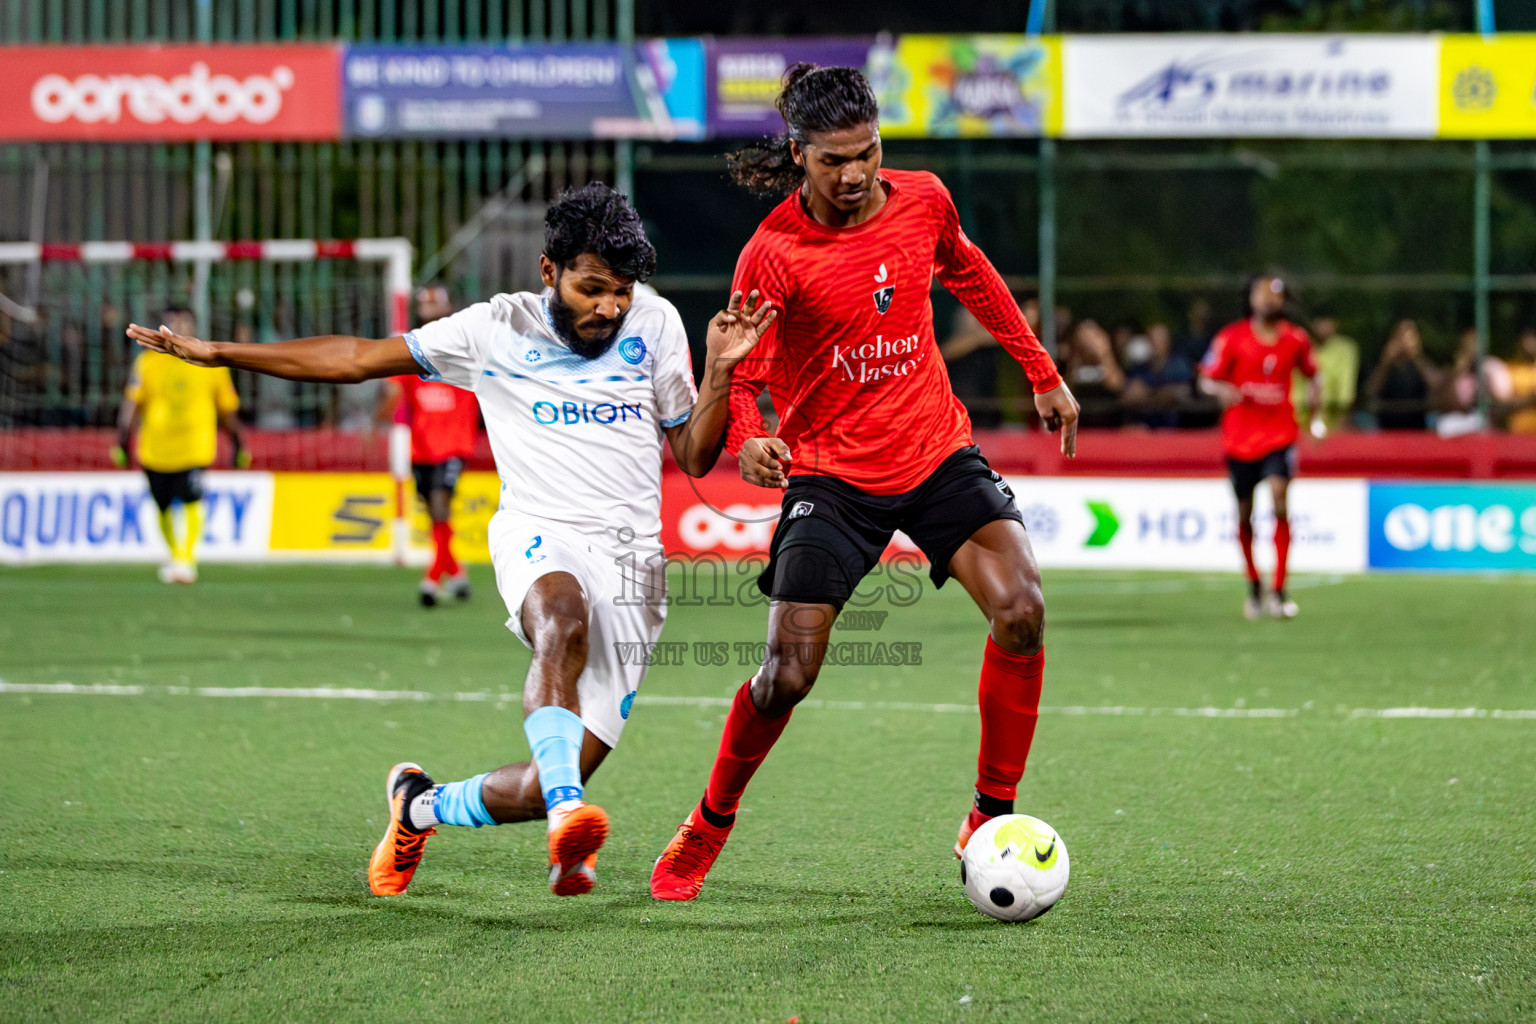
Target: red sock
1282 549
749 735
443 561
1010 704
1245 540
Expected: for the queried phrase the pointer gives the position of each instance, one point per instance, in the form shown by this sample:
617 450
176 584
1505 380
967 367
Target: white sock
420 812
560 810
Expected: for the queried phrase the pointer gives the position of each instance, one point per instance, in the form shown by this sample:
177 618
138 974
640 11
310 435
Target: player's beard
564 318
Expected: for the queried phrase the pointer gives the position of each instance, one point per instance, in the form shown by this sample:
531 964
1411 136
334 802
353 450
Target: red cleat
680 870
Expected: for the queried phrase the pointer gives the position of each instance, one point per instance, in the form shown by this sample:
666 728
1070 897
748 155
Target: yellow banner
978 86
1488 87
353 514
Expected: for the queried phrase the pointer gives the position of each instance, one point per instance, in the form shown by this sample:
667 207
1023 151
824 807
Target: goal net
64 358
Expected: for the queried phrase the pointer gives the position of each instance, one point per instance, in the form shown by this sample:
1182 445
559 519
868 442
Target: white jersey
576 441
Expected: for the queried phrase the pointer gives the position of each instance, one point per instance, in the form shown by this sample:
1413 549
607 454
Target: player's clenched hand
1058 410
765 461
191 350
737 328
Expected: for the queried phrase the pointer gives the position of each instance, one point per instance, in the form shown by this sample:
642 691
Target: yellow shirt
1522 384
179 407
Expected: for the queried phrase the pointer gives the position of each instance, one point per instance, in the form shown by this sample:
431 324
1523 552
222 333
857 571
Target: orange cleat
395 858
969 824
680 870
573 846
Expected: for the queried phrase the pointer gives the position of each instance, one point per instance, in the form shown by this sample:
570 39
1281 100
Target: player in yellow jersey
177 409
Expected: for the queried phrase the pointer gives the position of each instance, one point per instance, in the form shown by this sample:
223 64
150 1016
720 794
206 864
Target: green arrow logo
1104 524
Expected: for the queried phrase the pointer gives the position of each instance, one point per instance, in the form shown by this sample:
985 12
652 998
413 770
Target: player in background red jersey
444 421
871 437
1249 368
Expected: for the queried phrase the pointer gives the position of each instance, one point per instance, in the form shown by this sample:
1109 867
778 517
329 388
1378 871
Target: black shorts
185 486
831 534
436 476
1248 475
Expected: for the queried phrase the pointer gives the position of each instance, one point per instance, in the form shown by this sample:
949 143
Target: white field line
662 700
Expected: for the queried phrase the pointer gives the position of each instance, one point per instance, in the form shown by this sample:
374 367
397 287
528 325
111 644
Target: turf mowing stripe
661 700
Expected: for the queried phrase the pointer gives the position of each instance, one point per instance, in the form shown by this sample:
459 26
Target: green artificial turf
171 856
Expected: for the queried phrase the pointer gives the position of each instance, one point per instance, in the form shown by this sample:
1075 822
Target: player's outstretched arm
332 359
733 334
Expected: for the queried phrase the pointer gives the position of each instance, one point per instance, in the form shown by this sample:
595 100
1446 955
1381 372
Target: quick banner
110 517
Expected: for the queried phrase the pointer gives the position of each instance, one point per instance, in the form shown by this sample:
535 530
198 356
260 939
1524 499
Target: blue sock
459 803
554 736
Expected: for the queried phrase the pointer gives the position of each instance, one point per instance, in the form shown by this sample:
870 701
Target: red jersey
1264 420
851 362
443 419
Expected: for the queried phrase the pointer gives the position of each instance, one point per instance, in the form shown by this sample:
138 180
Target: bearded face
588 304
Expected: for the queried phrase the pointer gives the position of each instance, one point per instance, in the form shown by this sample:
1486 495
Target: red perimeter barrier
1100 453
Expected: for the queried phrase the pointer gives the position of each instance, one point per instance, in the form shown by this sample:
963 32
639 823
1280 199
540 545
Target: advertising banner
1073 522
1085 522
548 91
744 77
1279 86
1453 526
350 516
109 517
976 86
171 93
1488 87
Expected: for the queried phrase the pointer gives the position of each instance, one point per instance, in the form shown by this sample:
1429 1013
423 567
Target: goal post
55 291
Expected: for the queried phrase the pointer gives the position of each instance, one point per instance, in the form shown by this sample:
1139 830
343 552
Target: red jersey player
444 421
1249 368
872 438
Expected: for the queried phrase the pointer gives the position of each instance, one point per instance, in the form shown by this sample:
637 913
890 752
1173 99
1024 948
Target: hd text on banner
1074 522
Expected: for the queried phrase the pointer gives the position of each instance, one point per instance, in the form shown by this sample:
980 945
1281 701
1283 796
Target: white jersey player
579 387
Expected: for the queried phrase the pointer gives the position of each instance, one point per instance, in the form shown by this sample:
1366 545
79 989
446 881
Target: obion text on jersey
570 413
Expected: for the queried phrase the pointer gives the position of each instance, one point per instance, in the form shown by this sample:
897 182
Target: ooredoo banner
170 93
1277 86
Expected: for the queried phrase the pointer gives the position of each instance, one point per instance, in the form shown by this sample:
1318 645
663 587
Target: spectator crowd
1143 377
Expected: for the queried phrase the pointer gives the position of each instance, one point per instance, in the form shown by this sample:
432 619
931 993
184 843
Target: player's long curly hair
598 220
813 99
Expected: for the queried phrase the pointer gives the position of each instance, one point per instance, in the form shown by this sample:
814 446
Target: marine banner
1276 86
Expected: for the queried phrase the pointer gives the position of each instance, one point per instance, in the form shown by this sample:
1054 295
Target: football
1015 867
